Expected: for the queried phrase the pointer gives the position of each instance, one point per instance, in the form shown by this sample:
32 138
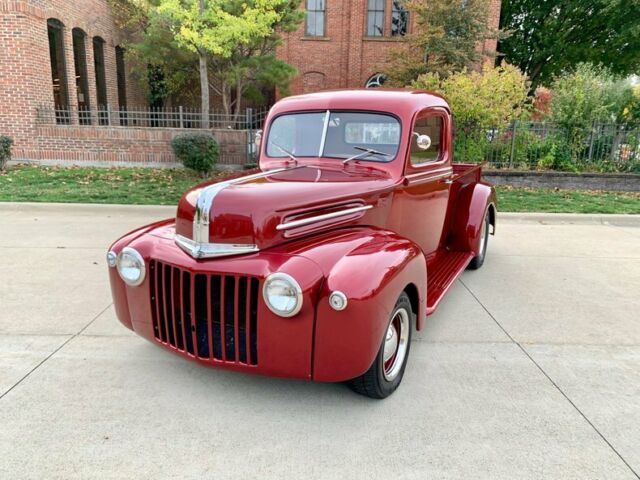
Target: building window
122 85
101 80
399 19
82 82
375 18
376 80
315 18
55 30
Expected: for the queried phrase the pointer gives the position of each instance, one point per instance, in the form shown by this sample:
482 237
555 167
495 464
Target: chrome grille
210 316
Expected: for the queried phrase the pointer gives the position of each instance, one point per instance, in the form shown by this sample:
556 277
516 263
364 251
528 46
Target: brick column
70 70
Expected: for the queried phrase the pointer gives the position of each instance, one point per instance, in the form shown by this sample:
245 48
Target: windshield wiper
285 151
365 152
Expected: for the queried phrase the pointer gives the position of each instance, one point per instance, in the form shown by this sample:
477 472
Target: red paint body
421 233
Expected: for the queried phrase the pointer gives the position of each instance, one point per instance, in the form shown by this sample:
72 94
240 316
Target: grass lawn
146 186
137 186
566 201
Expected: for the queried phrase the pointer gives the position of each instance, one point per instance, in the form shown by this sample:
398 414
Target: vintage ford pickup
318 264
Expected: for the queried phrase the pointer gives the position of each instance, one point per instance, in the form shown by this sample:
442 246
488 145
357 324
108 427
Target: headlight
131 266
282 294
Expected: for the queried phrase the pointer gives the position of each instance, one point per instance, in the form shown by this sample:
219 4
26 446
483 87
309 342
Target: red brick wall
90 145
346 57
25 69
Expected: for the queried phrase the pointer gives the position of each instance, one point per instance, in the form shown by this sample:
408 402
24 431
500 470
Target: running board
441 273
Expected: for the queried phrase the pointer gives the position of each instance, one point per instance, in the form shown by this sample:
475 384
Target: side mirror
423 142
257 139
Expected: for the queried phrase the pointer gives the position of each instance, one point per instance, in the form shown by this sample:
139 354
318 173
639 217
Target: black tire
374 382
478 260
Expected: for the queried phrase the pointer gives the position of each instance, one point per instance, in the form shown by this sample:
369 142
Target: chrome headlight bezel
134 255
292 284
112 258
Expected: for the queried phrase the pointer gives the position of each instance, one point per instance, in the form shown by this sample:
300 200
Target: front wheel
387 370
478 260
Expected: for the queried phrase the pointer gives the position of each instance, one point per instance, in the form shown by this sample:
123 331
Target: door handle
447 181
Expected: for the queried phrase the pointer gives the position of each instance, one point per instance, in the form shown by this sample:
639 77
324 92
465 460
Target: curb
570 219
88 209
169 211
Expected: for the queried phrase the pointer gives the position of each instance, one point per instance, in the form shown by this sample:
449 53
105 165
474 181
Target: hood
258 211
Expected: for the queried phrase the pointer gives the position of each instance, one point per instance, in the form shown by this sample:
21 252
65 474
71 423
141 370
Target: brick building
64 86
66 55
344 44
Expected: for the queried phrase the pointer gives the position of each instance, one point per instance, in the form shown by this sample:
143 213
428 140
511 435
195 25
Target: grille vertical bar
167 325
214 295
222 317
194 314
253 345
181 303
209 316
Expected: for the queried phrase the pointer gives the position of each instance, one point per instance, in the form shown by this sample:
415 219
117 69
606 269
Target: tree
492 98
234 41
590 93
163 69
445 39
550 36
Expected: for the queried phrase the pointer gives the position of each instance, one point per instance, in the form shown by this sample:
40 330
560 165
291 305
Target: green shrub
491 98
5 150
196 151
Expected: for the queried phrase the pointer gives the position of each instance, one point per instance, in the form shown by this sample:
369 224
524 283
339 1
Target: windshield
369 136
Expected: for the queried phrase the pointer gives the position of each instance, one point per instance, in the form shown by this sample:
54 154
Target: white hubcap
483 236
395 344
390 343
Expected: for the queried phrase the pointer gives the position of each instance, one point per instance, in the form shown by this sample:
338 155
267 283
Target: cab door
420 204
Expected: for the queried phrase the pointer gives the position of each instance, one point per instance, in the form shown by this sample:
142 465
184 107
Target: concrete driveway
530 369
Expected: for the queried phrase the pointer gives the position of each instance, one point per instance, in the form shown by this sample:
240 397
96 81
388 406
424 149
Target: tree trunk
204 79
204 89
238 105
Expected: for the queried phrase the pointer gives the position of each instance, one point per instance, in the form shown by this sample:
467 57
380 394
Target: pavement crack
55 351
557 387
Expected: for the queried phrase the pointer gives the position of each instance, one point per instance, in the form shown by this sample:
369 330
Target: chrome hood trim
202 214
209 250
200 247
319 218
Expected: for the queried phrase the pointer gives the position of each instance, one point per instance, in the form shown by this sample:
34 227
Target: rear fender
372 268
473 202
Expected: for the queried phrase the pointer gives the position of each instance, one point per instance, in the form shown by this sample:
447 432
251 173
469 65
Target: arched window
313 82
122 84
55 30
82 80
101 80
376 80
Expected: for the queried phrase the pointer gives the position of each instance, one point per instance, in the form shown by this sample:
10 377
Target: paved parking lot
530 369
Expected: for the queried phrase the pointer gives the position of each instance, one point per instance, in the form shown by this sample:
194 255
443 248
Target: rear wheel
387 370
478 260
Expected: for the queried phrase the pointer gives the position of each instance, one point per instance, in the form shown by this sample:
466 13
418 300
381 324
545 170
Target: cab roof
404 103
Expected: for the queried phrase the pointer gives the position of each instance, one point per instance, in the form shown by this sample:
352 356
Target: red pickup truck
320 263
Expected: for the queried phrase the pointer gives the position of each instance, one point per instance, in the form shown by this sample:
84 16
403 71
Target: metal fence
174 117
540 145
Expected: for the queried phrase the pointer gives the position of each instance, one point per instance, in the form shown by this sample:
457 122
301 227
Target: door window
432 126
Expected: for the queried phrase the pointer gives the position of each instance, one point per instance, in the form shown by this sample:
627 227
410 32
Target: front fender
118 287
471 206
372 268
